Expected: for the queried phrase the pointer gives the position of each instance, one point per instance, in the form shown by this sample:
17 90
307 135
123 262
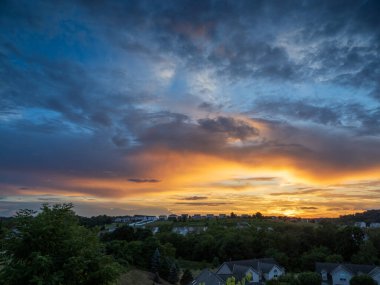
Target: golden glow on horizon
196 183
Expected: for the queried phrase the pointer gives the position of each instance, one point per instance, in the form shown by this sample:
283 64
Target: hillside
140 277
370 216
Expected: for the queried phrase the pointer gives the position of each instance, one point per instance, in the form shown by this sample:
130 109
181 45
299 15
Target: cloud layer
190 100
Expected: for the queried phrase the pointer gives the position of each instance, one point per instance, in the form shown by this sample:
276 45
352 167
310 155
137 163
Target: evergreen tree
165 268
173 274
156 261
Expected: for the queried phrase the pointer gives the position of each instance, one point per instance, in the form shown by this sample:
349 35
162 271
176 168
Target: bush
309 278
362 280
289 279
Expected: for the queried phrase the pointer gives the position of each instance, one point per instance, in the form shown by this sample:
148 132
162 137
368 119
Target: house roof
208 277
254 263
374 271
240 271
353 268
224 277
266 267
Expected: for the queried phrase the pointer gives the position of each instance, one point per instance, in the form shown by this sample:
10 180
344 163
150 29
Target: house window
275 275
342 277
324 275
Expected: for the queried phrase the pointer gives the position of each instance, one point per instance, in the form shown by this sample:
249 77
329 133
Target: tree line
56 247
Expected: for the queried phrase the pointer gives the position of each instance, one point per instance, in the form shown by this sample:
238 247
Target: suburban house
260 270
162 217
341 274
173 217
360 224
374 225
187 230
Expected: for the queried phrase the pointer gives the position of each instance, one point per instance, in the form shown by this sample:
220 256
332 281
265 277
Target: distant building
341 274
125 219
181 230
186 230
184 217
374 225
162 217
150 218
173 217
260 270
210 216
196 217
360 224
245 216
222 216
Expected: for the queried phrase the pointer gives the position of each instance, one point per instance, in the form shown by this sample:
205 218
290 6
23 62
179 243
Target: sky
157 107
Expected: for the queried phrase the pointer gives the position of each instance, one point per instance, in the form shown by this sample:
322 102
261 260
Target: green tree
51 248
215 262
309 278
165 267
350 239
231 281
316 254
187 277
289 279
334 258
156 261
366 254
173 274
362 280
119 250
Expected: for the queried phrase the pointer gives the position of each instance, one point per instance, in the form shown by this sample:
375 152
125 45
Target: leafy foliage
309 278
362 280
51 248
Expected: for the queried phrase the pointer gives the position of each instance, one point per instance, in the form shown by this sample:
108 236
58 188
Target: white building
341 274
374 225
360 224
260 270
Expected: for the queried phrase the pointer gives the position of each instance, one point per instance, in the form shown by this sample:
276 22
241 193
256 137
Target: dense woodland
56 245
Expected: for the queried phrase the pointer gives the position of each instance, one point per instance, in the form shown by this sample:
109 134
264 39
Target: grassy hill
135 276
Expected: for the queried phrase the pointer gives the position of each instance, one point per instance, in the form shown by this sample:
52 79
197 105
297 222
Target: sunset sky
157 107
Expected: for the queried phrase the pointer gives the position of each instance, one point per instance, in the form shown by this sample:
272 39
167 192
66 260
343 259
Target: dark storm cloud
240 48
232 127
74 101
299 110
